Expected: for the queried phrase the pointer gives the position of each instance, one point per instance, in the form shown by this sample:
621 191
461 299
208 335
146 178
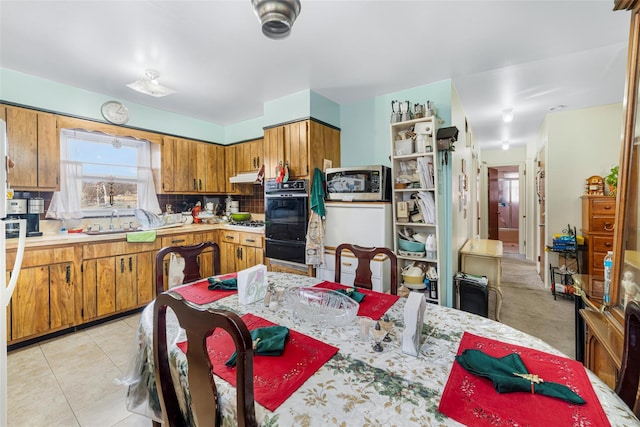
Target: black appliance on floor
286 214
472 293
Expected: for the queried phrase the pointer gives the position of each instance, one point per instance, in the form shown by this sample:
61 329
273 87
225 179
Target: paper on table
252 284
413 317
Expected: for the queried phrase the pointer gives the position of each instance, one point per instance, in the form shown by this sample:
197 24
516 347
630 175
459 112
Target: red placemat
374 305
275 378
473 401
199 292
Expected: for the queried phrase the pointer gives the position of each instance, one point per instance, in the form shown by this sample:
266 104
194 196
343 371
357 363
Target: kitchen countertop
57 239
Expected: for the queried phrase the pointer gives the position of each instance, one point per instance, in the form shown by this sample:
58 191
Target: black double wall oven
286 210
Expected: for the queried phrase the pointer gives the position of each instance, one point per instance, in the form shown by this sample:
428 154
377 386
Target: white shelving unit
416 184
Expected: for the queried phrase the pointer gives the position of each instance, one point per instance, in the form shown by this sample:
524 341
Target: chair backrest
199 323
363 270
190 254
629 378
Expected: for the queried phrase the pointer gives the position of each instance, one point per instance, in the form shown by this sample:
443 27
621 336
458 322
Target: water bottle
608 263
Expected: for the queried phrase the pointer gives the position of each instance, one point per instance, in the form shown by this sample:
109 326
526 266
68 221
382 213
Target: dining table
358 385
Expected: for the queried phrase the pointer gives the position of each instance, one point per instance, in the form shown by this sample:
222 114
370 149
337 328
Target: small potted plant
612 180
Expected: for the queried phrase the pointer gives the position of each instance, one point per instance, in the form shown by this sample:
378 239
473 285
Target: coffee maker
20 209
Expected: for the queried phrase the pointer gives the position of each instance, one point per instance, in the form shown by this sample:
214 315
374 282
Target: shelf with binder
415 199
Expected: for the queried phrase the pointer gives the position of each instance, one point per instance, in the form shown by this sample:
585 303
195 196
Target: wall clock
114 112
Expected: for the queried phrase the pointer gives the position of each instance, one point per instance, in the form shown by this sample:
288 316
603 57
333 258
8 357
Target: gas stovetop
252 225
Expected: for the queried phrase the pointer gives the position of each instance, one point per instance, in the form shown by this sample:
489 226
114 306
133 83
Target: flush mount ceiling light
149 85
507 115
557 107
276 16
505 145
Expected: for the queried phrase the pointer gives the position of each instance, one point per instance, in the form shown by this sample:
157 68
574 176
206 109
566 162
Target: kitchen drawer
603 207
182 239
37 257
229 236
602 243
101 250
251 239
602 224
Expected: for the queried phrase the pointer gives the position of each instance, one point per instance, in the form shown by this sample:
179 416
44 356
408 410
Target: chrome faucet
113 212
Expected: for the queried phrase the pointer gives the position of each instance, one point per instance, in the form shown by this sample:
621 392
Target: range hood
248 177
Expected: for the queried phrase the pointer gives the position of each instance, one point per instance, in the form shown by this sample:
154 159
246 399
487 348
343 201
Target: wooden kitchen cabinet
189 166
117 277
240 250
303 145
251 156
44 297
232 154
205 260
34 147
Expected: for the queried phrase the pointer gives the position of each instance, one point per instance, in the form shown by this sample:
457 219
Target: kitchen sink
107 231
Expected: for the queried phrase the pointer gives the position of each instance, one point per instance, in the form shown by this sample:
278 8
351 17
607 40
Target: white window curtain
66 203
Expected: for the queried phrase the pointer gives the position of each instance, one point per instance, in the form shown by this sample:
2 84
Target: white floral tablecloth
357 387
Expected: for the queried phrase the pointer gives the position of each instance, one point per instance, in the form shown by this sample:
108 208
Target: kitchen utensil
405 110
395 111
407 245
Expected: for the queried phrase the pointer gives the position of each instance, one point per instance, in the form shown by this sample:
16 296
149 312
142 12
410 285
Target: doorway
504 207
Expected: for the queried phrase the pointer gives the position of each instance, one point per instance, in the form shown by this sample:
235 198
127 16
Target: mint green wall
325 110
365 124
291 107
243 131
48 95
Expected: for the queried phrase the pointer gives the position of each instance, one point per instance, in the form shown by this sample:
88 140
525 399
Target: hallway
528 307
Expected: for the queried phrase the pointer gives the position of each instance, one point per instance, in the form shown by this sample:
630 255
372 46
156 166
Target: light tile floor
69 380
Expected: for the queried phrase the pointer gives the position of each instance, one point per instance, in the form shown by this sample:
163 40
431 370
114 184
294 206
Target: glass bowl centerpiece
324 307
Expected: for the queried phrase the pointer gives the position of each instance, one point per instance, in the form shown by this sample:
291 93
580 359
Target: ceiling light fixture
507 115
276 16
557 107
149 85
505 145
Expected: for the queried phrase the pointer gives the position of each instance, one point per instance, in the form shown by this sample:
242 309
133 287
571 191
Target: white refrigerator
6 289
368 224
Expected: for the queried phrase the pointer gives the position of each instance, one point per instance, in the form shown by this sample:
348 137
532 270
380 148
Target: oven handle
287 195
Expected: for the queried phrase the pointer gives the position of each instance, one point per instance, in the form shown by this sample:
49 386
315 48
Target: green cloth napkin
268 341
224 285
353 294
501 372
142 236
316 198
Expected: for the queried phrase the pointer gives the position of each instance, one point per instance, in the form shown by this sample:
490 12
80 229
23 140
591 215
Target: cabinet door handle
608 244
240 249
250 240
130 264
200 184
178 241
121 265
68 277
607 207
238 253
608 226
347 264
195 185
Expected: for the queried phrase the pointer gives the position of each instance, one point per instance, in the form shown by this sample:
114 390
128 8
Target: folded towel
353 294
509 374
268 341
142 236
225 285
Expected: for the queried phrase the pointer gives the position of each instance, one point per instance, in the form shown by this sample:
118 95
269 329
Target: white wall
580 144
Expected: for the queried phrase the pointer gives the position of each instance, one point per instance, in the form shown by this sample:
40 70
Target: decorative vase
612 189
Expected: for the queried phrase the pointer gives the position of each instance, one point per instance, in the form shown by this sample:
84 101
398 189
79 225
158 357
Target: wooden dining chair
364 256
629 378
199 323
190 254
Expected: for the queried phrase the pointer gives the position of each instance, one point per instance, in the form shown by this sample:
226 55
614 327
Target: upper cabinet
191 166
251 156
303 146
32 140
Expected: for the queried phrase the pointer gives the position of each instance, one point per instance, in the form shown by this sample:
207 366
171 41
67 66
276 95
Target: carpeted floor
529 307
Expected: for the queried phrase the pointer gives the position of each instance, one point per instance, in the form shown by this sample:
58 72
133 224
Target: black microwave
359 183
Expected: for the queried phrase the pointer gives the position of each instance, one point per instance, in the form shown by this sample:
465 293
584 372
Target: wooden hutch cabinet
598 224
604 324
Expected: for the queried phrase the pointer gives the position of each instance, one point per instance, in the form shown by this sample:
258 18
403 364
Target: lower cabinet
240 250
44 298
205 261
116 277
603 346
